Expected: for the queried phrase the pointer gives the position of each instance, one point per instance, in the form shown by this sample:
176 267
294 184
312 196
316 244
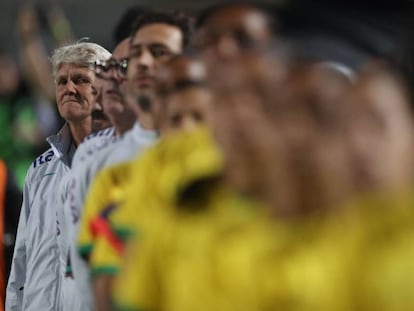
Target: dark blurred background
372 25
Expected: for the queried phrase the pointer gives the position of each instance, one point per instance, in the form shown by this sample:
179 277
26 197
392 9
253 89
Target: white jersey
69 293
91 143
35 276
130 146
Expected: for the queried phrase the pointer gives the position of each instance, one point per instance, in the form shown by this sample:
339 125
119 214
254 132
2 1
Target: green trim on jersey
85 249
107 270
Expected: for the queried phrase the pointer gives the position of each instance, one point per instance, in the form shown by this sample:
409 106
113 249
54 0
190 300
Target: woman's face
75 95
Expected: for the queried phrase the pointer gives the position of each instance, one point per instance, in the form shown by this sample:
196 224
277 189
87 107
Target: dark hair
207 12
126 22
174 18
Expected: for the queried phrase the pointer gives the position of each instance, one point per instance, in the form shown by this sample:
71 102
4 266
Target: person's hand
27 22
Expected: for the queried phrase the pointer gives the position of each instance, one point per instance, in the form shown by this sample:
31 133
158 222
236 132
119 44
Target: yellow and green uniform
191 261
100 202
163 174
226 255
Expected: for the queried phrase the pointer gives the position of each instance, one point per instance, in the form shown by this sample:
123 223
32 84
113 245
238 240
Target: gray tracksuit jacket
35 277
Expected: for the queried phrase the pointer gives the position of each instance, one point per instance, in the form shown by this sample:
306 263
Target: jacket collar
62 145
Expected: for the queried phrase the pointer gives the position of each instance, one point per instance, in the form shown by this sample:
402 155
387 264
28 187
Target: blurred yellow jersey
104 258
155 180
228 256
164 172
192 260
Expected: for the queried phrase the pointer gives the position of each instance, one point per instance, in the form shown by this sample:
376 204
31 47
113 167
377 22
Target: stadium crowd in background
207 163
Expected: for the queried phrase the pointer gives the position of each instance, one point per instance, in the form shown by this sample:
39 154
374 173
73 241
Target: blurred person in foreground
290 174
381 143
34 282
301 247
227 32
219 228
380 131
346 141
360 246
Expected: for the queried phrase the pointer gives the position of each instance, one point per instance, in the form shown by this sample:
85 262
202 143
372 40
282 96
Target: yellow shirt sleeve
100 196
104 259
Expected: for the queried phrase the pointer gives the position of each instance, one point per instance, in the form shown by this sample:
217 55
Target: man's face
114 87
231 42
186 109
232 31
99 119
151 46
75 95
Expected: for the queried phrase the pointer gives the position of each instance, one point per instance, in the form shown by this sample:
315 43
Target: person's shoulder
115 174
43 159
40 166
108 132
96 154
122 150
137 138
93 143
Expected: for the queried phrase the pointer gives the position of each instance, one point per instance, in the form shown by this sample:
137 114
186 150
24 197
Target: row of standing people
273 185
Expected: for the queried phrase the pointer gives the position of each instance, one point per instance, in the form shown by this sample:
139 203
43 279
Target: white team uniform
36 275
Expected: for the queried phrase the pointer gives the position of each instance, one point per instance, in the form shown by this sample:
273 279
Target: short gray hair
82 54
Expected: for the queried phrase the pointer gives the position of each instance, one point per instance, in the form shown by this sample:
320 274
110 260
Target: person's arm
33 52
